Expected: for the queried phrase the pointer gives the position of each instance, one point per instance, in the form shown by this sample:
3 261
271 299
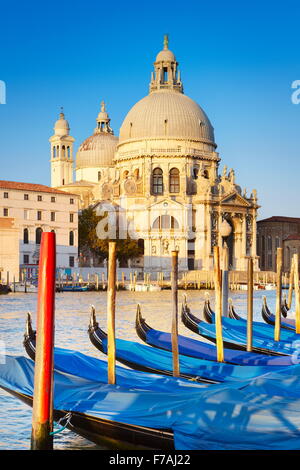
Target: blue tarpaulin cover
160 359
261 414
239 336
259 329
196 348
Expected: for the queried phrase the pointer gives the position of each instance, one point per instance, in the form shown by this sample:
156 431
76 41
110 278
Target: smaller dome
96 151
61 127
165 56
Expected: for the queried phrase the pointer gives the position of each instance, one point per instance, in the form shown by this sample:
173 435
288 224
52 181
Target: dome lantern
166 75
103 121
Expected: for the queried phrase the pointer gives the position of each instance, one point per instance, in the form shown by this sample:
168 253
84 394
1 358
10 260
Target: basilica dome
167 114
176 122
98 150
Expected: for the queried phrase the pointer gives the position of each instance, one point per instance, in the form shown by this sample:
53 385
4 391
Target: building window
270 260
277 242
71 201
38 235
26 259
174 185
39 198
99 175
53 199
269 243
26 197
52 216
5 195
25 236
71 217
5 212
26 214
39 215
157 181
165 222
71 261
71 238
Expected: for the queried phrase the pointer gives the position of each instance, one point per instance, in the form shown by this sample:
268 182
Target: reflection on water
72 317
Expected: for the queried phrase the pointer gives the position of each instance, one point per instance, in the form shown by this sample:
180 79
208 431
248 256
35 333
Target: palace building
26 211
161 176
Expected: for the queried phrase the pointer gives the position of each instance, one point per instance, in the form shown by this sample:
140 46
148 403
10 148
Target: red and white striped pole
42 419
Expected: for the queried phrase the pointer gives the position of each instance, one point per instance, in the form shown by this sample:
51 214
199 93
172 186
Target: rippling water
72 317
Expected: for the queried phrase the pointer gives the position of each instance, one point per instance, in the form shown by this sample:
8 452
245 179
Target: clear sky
237 60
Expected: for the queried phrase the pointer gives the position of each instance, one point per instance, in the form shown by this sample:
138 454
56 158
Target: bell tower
61 153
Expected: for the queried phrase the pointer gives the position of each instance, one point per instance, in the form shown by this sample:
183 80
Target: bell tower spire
61 153
166 75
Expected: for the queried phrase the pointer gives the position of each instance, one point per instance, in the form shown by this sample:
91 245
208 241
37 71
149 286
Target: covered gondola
234 338
231 311
148 359
202 350
261 414
269 317
208 312
260 330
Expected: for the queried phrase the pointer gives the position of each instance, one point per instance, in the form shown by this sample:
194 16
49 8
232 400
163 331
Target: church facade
160 179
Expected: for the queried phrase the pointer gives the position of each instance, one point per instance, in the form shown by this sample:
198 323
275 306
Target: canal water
72 318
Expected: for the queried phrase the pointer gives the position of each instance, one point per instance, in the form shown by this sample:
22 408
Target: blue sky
237 59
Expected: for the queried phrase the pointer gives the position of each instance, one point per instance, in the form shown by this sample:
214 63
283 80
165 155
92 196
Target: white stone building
162 177
34 209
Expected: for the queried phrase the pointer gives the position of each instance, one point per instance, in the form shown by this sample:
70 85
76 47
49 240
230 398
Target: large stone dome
97 151
167 114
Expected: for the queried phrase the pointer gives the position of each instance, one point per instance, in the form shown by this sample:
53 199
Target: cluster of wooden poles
42 422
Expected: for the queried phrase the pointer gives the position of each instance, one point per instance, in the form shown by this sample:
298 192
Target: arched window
38 235
54 152
165 222
157 181
174 183
195 173
25 236
136 173
71 238
63 151
68 152
57 150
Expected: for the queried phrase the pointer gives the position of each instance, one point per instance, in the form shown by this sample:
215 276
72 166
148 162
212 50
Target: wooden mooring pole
111 309
225 280
42 419
297 292
291 284
174 287
250 305
278 294
218 305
